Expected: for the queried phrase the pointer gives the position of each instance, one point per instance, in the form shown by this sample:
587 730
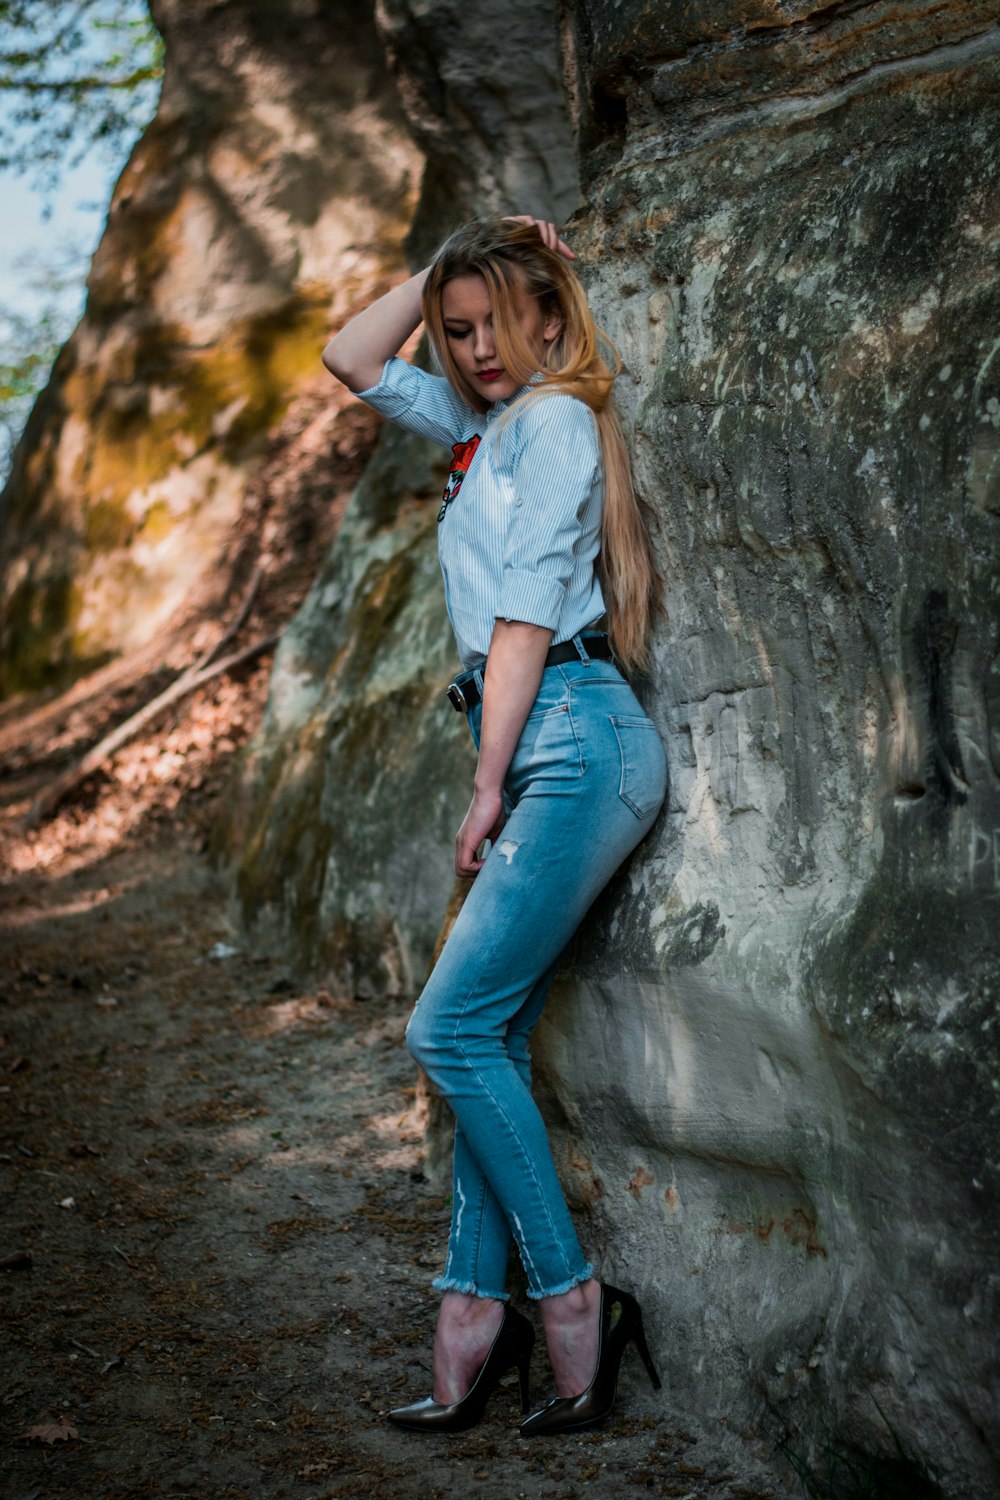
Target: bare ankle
460 1310
576 1303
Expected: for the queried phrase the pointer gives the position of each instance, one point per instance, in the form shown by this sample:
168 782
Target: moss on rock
211 296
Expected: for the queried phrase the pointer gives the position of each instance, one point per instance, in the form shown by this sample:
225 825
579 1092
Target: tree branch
200 672
91 83
46 802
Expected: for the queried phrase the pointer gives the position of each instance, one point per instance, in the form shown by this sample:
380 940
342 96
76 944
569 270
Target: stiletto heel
621 1325
639 1340
512 1345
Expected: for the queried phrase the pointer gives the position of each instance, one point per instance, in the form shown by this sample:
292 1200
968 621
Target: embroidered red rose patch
463 453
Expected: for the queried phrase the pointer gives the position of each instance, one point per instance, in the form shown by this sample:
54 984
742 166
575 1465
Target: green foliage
27 348
30 341
75 76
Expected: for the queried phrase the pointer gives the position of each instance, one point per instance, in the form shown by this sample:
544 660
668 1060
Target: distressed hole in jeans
507 849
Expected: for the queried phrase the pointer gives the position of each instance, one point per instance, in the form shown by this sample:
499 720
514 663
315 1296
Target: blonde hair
514 262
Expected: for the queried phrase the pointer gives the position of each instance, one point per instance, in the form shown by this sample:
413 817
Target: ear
553 325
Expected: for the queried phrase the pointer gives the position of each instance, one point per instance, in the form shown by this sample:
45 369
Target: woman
540 535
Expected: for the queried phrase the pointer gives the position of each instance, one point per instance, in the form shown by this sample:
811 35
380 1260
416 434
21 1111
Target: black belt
464 696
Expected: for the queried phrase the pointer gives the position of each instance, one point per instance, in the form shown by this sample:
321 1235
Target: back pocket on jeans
644 778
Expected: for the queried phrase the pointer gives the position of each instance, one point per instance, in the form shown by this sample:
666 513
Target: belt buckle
457 698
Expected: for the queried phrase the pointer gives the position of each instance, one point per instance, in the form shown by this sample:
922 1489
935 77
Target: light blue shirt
519 539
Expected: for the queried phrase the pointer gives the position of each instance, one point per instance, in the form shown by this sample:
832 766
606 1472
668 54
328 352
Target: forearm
513 672
357 354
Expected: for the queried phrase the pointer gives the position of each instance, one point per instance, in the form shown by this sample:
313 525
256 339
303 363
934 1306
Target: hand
548 232
484 820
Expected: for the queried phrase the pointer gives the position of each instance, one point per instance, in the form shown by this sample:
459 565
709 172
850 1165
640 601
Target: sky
46 245
28 241
31 240
47 238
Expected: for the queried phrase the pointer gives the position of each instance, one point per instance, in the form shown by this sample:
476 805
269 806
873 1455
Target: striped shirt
520 528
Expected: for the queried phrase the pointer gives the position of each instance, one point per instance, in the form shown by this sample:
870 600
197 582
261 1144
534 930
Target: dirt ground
217 1238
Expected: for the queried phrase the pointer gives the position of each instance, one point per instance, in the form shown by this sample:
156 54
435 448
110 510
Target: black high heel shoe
514 1341
621 1325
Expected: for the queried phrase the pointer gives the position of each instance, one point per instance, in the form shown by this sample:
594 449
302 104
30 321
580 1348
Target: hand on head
548 232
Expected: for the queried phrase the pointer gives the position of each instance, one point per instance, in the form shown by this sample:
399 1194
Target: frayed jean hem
467 1288
564 1286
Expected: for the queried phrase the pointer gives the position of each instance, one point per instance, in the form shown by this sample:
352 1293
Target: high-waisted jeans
585 783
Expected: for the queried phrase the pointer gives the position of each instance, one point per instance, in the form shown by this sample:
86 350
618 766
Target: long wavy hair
515 263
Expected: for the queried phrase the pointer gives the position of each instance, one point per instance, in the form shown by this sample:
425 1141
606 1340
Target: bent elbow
334 364
356 374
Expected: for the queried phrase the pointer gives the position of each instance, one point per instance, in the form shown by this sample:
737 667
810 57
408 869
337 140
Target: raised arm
357 354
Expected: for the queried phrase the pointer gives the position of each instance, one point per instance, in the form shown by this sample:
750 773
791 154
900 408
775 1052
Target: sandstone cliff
792 232
270 192
770 1063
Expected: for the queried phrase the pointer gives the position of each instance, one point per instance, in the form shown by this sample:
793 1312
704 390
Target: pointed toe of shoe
512 1346
564 1414
430 1416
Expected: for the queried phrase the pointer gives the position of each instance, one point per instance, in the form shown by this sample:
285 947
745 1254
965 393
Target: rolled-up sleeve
422 403
557 466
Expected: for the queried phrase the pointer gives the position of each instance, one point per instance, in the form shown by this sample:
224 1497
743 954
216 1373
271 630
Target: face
468 323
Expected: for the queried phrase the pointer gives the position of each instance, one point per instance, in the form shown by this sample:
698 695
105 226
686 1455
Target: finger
497 829
545 227
548 231
466 863
550 235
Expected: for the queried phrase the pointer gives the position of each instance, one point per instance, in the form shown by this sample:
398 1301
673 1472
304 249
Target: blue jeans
585 783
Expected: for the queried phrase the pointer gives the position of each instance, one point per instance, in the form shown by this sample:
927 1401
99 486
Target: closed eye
458 333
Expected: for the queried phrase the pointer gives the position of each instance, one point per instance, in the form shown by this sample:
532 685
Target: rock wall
269 195
776 1050
770 1063
484 91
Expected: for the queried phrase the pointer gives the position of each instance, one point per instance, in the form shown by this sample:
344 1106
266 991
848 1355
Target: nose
484 346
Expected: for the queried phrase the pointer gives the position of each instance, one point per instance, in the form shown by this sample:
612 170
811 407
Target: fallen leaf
51 1432
19 1065
17 1260
81 1148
